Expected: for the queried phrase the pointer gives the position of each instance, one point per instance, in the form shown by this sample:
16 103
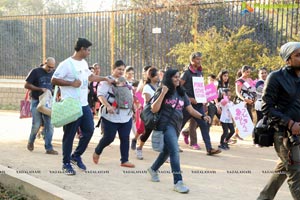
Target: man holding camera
281 103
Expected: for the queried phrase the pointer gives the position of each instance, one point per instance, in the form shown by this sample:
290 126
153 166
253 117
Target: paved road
237 174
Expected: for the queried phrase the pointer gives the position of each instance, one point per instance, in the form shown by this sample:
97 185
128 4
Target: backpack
123 96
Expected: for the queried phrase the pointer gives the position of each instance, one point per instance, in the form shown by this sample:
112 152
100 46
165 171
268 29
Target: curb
33 187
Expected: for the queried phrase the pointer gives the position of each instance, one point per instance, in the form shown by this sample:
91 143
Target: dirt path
239 173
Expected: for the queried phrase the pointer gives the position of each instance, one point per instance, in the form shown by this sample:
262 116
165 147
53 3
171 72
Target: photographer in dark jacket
281 103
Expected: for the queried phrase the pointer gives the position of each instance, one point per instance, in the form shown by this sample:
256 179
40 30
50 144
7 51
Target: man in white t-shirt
76 88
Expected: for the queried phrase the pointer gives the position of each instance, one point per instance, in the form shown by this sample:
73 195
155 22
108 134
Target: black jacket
281 96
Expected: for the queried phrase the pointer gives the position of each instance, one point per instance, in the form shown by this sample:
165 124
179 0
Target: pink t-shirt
139 97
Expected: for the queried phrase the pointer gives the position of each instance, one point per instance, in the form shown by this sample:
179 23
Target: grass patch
7 194
9 107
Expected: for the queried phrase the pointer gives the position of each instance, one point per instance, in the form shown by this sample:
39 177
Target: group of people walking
170 94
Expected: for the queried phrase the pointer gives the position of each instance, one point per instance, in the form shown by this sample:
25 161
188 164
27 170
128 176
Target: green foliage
270 62
226 49
8 193
20 7
35 7
296 38
9 107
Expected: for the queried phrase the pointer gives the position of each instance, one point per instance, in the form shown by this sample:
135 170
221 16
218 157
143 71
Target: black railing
139 37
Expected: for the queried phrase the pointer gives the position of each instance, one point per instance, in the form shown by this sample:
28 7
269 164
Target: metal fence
139 37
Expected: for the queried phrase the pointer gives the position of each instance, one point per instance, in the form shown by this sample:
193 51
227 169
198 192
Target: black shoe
30 146
133 144
222 147
213 152
52 152
227 146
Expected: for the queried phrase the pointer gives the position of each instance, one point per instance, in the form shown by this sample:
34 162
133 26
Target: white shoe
154 175
139 154
181 188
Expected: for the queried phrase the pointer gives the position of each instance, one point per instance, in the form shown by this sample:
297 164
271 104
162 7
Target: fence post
195 26
44 37
112 38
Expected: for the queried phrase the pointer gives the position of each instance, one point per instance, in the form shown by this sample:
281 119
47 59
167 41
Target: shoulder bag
157 138
66 110
45 103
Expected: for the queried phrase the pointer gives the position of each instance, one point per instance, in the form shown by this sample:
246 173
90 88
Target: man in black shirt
39 81
195 70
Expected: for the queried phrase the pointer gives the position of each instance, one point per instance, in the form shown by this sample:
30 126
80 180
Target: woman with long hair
149 89
245 91
245 88
171 99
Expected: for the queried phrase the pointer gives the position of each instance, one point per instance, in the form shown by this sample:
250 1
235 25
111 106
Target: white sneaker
181 188
154 175
139 154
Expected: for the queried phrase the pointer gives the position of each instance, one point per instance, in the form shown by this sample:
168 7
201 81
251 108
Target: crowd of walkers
169 92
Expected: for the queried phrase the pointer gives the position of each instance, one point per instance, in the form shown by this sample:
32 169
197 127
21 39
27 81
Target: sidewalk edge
34 187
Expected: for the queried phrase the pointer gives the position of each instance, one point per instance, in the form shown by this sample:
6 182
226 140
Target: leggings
144 137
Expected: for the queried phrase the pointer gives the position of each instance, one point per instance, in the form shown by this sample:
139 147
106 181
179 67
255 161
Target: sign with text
199 89
242 119
211 92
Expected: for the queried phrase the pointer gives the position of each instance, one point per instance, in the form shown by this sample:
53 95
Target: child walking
226 120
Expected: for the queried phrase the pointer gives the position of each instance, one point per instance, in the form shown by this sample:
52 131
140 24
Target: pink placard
211 92
242 119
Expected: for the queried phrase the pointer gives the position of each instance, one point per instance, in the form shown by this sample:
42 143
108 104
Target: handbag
25 107
45 103
157 140
264 133
149 118
66 110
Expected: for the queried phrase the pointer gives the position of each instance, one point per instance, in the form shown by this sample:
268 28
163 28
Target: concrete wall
34 187
11 93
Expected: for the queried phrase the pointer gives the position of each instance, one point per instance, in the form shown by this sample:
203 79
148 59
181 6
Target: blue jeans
110 131
86 124
171 149
37 119
204 126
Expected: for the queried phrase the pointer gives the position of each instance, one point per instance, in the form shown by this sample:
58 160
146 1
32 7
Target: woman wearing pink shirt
245 88
245 91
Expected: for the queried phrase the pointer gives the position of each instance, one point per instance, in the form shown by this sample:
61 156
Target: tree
20 7
226 49
35 7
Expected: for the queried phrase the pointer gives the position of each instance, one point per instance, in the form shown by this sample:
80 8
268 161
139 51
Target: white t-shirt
64 71
226 116
147 89
124 114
